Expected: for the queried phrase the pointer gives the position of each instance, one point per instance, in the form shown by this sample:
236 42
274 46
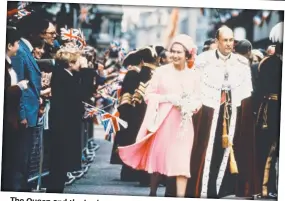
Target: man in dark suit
12 94
27 68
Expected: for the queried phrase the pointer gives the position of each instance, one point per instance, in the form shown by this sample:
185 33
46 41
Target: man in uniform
268 117
127 136
222 161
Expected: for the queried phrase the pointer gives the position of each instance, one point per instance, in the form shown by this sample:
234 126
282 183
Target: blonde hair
67 55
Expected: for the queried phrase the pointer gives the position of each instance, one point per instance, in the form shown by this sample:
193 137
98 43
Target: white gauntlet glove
174 99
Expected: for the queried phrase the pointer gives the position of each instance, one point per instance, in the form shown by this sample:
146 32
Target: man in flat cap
244 48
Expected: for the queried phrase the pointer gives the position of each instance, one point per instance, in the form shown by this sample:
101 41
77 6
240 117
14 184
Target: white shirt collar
68 71
8 59
28 44
223 57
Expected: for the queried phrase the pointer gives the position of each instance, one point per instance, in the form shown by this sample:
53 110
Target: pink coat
157 144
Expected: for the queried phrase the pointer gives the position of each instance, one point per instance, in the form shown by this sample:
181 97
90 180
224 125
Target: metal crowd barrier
36 158
39 159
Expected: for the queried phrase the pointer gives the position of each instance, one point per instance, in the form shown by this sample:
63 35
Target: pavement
104 178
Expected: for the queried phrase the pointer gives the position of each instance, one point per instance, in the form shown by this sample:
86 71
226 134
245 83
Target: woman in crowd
38 51
164 142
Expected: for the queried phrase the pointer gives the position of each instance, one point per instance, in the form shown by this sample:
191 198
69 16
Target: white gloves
171 98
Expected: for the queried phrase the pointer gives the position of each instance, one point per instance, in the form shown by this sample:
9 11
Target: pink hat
187 42
184 40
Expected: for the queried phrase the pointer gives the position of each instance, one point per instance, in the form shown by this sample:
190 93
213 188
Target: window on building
143 20
159 18
184 26
117 29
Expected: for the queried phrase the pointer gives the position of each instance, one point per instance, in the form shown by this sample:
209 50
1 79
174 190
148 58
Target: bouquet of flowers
185 104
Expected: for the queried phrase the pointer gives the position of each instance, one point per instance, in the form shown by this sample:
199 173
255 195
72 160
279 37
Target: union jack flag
22 13
111 123
75 35
90 112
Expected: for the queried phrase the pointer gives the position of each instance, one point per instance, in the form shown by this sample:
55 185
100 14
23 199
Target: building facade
110 25
152 27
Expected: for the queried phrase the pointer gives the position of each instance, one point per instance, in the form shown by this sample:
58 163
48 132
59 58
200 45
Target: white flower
186 113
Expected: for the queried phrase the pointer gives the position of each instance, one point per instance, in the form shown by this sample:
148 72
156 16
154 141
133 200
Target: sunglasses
51 33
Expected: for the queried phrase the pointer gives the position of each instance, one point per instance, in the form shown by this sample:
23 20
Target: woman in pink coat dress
164 142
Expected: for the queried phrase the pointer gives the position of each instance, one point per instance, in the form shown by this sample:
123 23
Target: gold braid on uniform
139 93
225 137
263 109
267 170
126 98
151 66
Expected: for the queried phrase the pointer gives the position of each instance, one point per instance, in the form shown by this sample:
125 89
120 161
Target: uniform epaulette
134 68
126 98
151 66
139 93
261 62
